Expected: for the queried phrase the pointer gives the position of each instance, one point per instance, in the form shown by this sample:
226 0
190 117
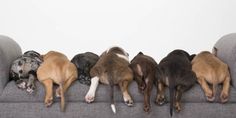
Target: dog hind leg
225 91
31 84
48 83
147 95
126 96
160 99
178 96
208 92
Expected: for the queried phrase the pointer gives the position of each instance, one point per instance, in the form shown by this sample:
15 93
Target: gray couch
15 103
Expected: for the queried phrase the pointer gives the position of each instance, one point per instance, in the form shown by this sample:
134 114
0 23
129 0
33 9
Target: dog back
56 66
114 61
209 66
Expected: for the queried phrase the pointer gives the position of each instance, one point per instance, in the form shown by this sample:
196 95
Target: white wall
155 27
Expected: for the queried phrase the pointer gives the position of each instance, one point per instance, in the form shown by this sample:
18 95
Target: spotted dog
23 70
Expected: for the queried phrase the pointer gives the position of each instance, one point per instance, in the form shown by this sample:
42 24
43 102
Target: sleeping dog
84 62
210 69
145 74
56 68
23 70
177 74
112 68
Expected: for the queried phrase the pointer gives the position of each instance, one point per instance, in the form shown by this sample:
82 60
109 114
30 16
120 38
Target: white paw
22 85
128 101
90 97
29 90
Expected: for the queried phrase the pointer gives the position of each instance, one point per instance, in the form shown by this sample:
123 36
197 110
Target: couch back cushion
9 51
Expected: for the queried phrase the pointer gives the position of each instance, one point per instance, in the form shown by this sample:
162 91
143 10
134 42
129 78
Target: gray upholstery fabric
227 52
77 92
103 110
9 51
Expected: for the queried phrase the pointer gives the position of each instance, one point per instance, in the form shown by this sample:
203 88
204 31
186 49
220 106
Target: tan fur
210 69
56 68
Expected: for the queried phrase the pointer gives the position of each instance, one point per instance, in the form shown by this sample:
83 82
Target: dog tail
214 51
113 107
62 98
172 94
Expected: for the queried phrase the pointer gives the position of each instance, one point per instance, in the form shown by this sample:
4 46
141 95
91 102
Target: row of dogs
178 71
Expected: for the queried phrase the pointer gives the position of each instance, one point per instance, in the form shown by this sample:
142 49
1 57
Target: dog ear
191 57
140 53
42 56
214 51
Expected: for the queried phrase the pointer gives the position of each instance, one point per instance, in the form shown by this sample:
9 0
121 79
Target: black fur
176 67
84 62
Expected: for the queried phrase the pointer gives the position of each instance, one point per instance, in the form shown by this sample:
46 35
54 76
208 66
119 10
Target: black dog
177 74
84 62
23 70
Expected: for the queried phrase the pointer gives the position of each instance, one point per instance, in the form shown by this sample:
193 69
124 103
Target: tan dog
210 69
56 68
112 68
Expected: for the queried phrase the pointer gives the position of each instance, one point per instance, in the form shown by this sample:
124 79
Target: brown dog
145 74
210 69
56 68
112 68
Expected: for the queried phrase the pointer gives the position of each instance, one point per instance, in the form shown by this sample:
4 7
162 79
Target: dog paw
210 97
146 108
21 85
129 102
48 102
89 97
223 97
177 107
160 100
30 90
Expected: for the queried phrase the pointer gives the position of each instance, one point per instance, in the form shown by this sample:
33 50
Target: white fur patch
125 97
139 70
91 93
123 57
113 107
146 80
22 85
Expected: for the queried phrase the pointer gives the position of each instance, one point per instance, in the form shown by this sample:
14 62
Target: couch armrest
226 51
9 51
